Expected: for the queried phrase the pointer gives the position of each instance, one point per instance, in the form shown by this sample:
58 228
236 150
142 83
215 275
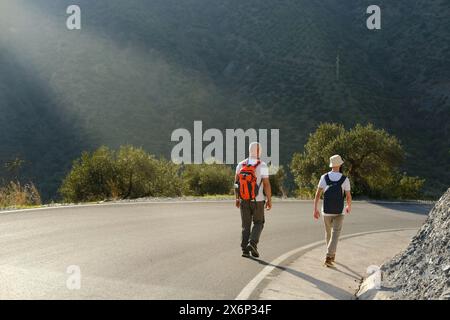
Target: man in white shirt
334 185
252 208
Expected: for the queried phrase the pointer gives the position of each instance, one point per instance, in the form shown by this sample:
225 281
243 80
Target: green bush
208 179
91 177
142 175
409 187
277 183
168 181
372 159
128 173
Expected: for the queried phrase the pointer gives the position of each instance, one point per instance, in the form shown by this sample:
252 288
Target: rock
445 295
422 270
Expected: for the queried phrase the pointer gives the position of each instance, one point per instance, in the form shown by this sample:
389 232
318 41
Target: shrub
371 156
168 181
208 179
409 187
128 173
91 177
137 173
277 183
14 194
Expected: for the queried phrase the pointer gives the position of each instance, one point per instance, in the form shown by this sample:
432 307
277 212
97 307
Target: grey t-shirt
262 171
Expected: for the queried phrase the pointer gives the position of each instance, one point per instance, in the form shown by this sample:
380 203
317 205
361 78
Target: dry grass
15 194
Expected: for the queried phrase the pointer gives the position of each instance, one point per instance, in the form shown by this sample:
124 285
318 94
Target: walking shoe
245 254
328 262
253 250
333 258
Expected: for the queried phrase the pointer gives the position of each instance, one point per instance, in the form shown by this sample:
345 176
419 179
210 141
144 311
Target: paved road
160 250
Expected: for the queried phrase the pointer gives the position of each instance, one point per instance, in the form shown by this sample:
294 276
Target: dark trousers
251 211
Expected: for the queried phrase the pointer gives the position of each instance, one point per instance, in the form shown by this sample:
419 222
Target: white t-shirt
334 176
262 171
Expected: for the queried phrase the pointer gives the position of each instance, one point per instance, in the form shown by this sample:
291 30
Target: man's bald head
255 150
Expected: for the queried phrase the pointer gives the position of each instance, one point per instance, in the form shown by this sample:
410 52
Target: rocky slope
422 271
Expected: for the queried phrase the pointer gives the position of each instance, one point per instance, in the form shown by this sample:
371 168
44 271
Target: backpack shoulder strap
327 179
342 179
247 163
244 164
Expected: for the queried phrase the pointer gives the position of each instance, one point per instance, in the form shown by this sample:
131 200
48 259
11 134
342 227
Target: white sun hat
336 161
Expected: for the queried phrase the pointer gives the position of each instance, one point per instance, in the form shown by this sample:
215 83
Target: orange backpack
247 181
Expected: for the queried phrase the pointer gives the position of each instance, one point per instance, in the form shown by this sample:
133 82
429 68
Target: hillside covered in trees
140 69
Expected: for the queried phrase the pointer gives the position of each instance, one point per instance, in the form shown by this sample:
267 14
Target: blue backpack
333 198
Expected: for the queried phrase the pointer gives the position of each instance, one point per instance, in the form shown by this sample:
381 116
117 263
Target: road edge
175 201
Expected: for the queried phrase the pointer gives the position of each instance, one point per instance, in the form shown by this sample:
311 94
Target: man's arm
236 193
316 212
348 196
268 192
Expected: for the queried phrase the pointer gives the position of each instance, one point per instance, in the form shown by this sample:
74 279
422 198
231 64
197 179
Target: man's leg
258 221
335 233
327 221
246 219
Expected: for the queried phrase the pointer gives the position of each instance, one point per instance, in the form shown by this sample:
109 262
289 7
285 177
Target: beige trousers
333 227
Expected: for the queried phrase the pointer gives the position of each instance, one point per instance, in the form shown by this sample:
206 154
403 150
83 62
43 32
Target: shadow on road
354 274
326 287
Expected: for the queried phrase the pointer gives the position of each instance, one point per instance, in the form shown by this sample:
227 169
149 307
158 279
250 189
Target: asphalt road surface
184 250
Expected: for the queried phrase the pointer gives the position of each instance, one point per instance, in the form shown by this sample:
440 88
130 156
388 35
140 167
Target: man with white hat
334 185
